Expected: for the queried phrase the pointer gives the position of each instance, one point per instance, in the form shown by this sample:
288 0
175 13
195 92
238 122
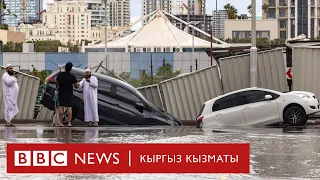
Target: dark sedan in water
118 103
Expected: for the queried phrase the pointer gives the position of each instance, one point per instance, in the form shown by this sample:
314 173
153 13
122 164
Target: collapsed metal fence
28 91
152 94
183 96
306 69
235 71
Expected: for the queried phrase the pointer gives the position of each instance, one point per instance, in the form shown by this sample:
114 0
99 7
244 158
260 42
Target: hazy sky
241 5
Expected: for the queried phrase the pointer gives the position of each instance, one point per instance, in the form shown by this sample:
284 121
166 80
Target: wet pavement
276 153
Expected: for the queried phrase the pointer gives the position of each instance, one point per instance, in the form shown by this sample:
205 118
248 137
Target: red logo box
128 158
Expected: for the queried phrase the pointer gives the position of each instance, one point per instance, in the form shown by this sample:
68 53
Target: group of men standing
66 81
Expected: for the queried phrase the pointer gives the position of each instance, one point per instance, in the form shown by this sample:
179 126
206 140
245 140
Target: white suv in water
258 106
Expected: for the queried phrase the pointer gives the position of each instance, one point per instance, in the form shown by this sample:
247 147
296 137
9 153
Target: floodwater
276 153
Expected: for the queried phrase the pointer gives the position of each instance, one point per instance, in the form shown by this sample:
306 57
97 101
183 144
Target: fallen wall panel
306 69
183 96
28 91
235 71
45 113
152 94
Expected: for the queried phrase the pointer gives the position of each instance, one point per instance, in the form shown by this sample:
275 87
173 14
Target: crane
23 10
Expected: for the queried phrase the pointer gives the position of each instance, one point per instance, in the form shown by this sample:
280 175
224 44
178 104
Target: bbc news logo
40 158
128 158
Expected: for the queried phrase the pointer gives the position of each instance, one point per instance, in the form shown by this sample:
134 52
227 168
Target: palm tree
265 8
249 9
231 11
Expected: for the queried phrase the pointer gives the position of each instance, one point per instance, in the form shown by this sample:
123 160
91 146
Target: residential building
97 8
27 11
119 13
73 19
198 22
175 7
241 28
11 36
42 32
39 32
179 9
295 17
218 23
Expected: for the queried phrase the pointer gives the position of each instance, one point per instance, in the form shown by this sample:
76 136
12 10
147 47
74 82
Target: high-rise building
179 8
27 11
218 23
119 13
175 7
295 17
97 8
72 18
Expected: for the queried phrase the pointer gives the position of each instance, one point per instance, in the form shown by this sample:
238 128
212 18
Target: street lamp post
106 34
253 50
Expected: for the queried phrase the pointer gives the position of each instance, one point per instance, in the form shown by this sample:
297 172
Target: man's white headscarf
8 65
87 70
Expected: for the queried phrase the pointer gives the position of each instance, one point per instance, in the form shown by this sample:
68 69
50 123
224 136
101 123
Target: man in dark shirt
66 81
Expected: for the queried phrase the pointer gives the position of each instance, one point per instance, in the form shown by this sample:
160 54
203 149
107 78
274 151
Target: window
104 88
283 24
283 34
255 96
126 95
282 13
249 97
226 102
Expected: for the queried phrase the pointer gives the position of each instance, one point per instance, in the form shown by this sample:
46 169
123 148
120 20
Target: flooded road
276 153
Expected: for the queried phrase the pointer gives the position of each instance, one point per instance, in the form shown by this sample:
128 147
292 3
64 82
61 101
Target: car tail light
199 120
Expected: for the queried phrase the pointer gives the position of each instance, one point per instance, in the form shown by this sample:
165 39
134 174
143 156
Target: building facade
175 7
241 29
119 13
218 23
73 19
42 32
295 17
11 36
97 8
27 11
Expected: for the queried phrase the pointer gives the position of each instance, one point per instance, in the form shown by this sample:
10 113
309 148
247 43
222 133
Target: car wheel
295 116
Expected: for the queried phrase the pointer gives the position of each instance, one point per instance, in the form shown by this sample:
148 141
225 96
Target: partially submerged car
118 102
258 106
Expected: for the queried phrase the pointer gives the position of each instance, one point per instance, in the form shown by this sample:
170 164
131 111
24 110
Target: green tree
12 47
47 45
5 10
265 7
73 47
249 8
4 26
232 12
166 72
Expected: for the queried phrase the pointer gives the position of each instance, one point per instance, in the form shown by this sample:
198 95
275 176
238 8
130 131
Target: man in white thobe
10 94
89 84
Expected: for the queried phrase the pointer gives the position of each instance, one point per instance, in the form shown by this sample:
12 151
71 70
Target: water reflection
91 135
294 129
276 153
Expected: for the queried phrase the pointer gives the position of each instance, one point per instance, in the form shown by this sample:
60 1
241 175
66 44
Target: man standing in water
66 81
10 94
90 98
